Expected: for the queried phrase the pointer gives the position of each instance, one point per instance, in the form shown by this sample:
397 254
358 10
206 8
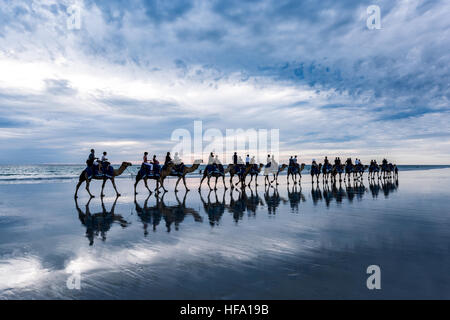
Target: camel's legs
209 178
103 187
251 179
215 185
146 185
184 182
87 189
115 188
223 180
201 181
78 186
136 183
176 184
162 184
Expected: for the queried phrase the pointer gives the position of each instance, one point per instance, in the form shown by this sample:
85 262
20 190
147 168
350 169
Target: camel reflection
351 191
99 223
355 190
295 195
387 186
173 214
273 200
244 203
338 193
214 210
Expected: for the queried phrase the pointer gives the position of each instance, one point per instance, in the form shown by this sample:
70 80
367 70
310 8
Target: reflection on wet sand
99 223
240 202
214 210
350 191
174 214
295 196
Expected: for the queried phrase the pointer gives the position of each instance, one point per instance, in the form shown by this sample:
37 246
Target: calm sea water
42 173
264 243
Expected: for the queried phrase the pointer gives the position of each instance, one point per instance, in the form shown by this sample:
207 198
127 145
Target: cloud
138 70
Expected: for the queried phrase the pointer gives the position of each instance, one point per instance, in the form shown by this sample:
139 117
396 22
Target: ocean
67 173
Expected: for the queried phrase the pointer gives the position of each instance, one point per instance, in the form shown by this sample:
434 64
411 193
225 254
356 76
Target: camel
186 170
85 178
249 171
348 170
275 175
234 170
208 175
165 171
387 169
358 171
337 169
374 168
273 169
293 171
326 172
315 171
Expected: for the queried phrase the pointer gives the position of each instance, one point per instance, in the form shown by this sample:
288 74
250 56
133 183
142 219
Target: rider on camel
104 163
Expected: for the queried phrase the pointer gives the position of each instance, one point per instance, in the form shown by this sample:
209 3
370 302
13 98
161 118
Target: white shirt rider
211 159
176 159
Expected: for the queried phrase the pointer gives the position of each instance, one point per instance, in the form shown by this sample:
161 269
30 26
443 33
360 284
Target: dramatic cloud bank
137 70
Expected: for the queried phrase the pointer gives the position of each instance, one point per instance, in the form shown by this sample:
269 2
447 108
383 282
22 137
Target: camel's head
198 161
261 165
126 164
284 165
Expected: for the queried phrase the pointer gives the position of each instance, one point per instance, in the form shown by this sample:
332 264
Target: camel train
102 170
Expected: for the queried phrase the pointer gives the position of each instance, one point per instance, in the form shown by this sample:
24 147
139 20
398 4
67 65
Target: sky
135 71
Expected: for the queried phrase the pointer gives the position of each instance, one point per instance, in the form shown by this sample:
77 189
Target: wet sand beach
277 243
